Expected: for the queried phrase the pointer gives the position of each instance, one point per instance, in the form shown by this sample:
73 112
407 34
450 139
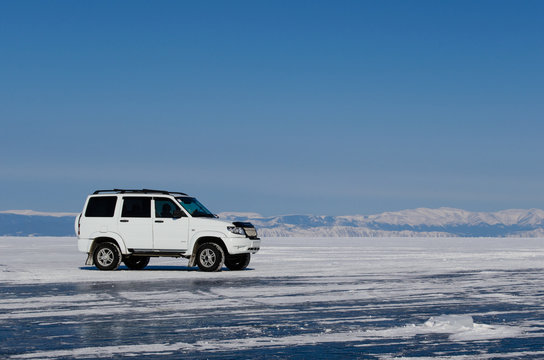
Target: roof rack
138 191
178 193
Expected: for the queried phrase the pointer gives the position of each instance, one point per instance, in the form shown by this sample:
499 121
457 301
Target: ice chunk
450 323
463 328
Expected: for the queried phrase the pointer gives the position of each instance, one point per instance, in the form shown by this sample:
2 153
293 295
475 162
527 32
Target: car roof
139 191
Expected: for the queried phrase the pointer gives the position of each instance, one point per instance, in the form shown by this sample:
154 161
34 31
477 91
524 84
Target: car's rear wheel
210 257
107 256
237 262
136 262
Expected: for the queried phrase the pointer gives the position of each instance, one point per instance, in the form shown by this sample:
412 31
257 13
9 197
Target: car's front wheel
237 262
210 257
107 256
136 262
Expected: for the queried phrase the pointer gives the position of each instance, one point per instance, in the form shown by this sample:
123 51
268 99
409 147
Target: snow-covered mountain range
414 222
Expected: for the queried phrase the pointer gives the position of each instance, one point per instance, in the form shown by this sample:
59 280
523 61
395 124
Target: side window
136 207
101 206
164 208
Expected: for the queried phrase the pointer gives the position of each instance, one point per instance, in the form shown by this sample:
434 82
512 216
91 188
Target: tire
210 257
237 262
136 262
107 256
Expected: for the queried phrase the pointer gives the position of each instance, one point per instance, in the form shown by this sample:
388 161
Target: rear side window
101 206
136 207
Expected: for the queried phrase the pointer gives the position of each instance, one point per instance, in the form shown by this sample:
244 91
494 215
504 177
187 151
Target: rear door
135 224
98 216
169 234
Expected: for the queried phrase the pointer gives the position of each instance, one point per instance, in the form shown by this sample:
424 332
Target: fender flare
201 234
114 236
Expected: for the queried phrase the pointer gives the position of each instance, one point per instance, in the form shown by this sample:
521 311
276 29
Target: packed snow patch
463 328
450 323
460 328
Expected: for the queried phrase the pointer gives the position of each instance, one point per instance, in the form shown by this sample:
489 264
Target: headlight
236 230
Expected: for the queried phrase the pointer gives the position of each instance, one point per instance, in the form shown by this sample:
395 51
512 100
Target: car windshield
194 207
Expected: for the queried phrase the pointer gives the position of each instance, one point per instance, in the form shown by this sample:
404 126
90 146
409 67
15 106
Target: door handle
124 220
159 221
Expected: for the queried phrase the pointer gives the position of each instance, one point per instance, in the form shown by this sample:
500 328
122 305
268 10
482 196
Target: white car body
155 235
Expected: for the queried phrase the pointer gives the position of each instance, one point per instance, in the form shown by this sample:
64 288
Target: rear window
136 207
101 206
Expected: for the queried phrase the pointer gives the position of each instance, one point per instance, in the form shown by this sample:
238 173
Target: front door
135 222
169 234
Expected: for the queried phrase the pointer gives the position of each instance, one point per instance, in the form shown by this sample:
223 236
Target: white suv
133 225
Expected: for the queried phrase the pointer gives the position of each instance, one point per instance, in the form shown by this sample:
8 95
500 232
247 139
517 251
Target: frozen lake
372 298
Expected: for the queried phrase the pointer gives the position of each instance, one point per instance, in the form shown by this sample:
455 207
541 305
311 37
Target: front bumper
242 245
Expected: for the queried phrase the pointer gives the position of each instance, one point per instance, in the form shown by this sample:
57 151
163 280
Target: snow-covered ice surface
375 298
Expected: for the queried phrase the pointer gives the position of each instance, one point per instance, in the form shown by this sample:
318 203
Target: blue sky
276 107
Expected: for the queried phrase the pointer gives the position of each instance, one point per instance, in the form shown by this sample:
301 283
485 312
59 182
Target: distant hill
27 223
440 222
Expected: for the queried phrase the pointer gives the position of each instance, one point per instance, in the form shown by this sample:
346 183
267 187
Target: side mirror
178 214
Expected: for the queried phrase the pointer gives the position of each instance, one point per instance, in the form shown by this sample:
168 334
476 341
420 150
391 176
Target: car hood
211 224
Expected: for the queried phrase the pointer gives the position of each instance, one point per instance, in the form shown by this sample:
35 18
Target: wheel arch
113 238
213 239
206 239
